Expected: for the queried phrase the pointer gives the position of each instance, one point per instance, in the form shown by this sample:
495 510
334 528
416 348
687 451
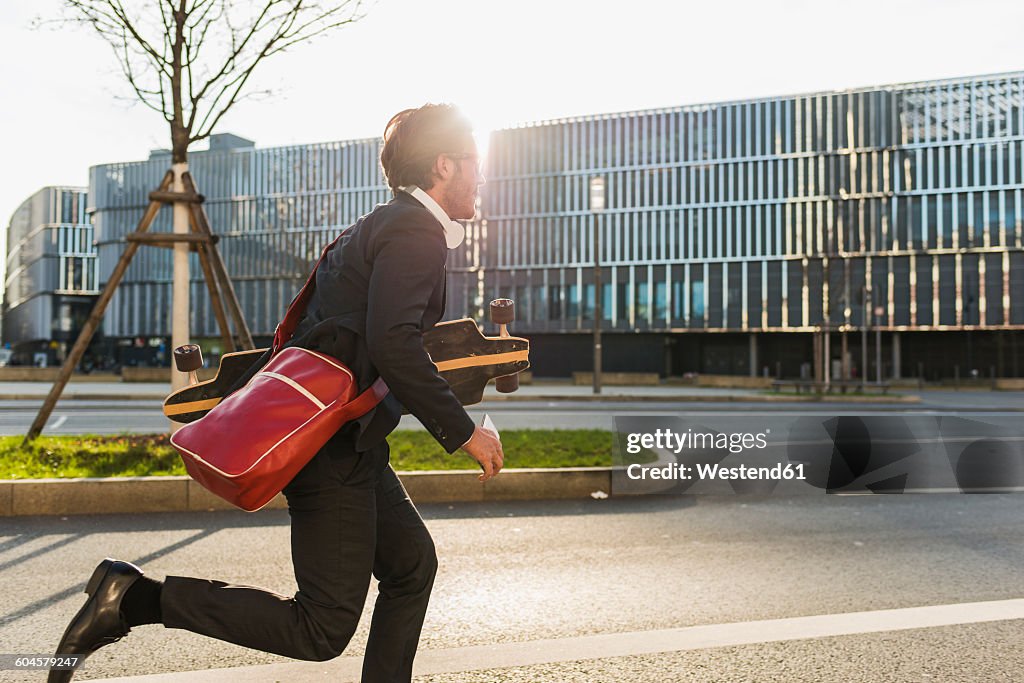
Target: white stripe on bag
298 387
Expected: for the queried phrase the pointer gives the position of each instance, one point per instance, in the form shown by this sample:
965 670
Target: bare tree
191 60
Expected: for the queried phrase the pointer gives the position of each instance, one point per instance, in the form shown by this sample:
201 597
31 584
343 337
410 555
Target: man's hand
485 447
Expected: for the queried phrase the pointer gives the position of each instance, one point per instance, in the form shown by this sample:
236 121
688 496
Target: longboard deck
469 360
463 355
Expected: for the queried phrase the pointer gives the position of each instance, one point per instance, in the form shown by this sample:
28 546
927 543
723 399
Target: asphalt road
561 572
144 416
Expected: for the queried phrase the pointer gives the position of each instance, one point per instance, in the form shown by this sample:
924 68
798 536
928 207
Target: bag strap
366 401
375 393
286 328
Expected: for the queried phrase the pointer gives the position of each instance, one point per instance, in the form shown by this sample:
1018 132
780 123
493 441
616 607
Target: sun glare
485 121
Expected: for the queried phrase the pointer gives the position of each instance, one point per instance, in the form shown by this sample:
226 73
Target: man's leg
405 564
333 535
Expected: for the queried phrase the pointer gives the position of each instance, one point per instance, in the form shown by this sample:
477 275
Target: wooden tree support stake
201 224
174 197
168 240
201 240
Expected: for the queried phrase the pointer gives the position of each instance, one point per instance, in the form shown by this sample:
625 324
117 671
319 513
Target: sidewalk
518 660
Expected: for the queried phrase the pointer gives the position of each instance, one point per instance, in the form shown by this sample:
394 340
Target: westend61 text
679 472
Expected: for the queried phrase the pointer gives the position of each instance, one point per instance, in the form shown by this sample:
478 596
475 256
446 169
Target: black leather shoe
99 622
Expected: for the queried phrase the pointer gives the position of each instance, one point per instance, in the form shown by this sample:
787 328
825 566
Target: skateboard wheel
188 358
503 311
507 384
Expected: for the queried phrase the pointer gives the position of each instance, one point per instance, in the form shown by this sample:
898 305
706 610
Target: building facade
274 209
751 237
52 277
738 233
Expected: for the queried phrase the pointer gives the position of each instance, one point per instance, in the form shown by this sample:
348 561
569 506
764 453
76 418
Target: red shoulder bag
252 443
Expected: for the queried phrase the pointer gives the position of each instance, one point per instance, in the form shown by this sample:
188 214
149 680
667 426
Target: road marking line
606 645
60 420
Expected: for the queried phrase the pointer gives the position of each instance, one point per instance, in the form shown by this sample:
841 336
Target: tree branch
237 49
122 17
142 93
207 51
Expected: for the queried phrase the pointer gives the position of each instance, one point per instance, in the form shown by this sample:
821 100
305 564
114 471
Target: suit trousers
350 517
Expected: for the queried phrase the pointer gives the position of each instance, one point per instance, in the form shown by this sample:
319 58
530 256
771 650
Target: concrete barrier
721 381
129 374
28 374
90 496
618 379
199 499
1009 384
19 373
734 381
6 499
182 494
547 483
443 486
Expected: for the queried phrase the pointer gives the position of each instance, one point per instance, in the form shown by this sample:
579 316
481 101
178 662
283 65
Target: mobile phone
488 423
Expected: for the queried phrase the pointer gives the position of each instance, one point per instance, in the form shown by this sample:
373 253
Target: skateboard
462 354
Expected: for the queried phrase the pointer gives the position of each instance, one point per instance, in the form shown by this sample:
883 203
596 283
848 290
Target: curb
181 494
583 398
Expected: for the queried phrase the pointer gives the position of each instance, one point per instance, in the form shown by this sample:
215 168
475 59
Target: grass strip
137 455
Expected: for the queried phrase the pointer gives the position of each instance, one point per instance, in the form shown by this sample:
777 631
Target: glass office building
736 232
52 278
737 236
274 209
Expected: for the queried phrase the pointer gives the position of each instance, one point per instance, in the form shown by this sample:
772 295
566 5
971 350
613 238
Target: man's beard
461 196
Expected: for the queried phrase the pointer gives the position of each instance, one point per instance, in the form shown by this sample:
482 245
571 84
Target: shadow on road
34 607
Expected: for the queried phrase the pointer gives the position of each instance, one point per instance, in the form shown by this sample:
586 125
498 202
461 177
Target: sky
66 107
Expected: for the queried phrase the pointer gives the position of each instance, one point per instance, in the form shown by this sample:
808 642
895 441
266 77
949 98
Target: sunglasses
464 156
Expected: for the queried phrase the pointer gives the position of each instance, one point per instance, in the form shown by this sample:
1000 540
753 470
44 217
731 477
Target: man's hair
414 138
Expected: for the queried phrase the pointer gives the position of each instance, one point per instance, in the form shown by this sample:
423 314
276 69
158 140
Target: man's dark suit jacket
377 290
